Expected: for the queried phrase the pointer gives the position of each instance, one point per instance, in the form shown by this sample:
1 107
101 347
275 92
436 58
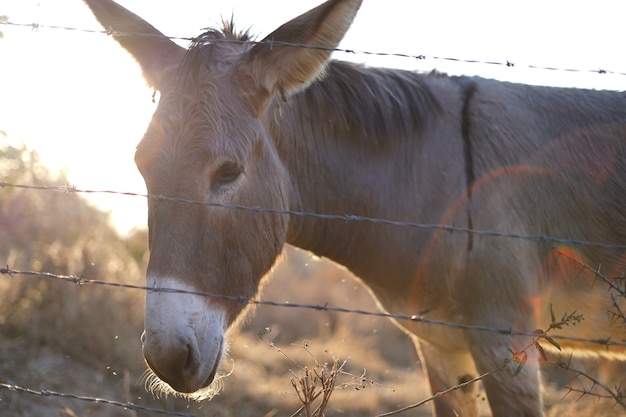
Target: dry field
90 353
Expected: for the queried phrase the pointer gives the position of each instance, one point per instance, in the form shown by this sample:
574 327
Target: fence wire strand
419 57
539 238
415 318
125 406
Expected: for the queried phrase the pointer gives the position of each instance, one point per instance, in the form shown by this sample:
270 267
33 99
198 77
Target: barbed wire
420 57
539 238
125 405
318 307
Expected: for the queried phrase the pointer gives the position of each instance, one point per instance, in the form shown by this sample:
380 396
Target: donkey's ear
279 67
153 51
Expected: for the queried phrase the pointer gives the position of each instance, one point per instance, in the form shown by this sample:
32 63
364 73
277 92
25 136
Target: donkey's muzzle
184 335
180 364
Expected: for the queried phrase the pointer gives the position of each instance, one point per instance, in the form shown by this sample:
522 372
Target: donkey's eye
227 172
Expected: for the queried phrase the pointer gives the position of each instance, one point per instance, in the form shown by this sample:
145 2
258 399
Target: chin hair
158 388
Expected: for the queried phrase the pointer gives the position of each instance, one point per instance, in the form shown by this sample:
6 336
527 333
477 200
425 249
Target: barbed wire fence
518 358
318 307
616 284
419 57
613 282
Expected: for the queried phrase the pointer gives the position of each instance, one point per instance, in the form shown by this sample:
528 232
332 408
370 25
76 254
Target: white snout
183 340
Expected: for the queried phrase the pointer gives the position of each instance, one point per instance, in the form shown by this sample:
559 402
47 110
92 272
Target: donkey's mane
367 103
350 100
212 47
226 31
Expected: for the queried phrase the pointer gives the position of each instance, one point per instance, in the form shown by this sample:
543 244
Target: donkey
524 188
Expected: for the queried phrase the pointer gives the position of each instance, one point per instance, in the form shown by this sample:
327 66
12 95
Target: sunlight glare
79 99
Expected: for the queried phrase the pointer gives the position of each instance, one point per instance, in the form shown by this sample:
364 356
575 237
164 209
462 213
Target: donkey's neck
352 146
330 176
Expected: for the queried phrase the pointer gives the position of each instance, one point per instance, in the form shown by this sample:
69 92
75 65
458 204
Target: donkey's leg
514 389
446 369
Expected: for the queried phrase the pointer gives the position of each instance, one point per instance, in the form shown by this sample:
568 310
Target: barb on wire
616 291
126 406
271 42
611 283
319 307
341 217
617 394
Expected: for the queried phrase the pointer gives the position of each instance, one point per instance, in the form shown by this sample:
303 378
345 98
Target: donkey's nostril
190 362
175 363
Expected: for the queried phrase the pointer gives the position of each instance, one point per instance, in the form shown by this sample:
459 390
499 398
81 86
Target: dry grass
380 372
85 341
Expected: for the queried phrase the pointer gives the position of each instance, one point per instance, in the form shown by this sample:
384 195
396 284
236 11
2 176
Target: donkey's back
550 163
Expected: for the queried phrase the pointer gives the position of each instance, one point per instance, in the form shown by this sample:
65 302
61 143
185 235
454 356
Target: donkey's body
250 125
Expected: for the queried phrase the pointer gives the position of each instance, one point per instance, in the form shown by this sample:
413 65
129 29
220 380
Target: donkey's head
208 142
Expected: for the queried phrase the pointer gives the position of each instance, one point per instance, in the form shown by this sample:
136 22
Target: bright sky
79 100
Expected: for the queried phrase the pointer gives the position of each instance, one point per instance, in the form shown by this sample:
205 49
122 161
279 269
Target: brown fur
259 125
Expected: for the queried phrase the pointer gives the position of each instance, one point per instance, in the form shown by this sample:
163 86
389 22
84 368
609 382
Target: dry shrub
373 349
62 234
55 334
263 371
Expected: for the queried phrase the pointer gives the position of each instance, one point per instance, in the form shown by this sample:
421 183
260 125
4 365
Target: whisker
158 388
